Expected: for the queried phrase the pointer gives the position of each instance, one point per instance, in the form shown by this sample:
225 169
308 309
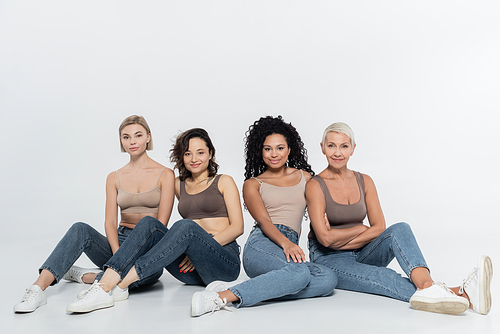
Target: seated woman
338 200
276 175
198 249
141 188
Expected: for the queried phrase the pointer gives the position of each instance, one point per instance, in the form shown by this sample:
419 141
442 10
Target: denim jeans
272 277
152 246
364 269
83 238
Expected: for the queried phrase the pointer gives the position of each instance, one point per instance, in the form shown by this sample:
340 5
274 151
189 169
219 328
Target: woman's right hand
294 252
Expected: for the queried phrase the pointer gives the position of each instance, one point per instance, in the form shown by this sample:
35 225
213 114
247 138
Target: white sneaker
34 297
206 301
118 294
438 298
93 299
219 286
477 286
76 273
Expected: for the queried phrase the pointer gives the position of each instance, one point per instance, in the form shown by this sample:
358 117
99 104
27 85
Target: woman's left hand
186 265
294 252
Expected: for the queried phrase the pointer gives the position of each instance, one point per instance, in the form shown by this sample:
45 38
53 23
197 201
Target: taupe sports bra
285 205
146 202
343 215
208 203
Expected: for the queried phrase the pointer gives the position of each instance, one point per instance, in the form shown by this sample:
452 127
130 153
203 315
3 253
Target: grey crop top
285 205
144 202
206 204
343 215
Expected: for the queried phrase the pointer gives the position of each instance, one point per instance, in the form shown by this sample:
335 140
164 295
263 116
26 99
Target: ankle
424 284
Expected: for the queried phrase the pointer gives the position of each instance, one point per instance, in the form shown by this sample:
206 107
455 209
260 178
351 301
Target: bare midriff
213 225
131 219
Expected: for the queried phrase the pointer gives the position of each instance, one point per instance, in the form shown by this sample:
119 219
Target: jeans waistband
124 229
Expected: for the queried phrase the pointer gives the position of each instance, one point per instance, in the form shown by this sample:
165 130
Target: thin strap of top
285 205
157 180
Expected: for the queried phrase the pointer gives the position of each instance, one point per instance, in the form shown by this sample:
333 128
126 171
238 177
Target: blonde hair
134 119
339 127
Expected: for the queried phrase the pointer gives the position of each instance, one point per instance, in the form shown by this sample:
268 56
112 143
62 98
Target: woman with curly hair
276 173
198 249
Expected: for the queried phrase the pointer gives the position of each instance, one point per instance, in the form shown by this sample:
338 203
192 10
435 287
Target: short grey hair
340 128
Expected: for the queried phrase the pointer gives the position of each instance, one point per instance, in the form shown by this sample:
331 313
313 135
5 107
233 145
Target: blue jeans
152 246
272 277
83 238
364 269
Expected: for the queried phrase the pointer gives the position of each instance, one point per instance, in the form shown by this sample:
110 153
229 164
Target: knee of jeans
148 221
299 274
402 227
79 228
326 277
185 225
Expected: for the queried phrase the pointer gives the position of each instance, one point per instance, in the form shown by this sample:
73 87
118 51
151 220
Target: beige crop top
145 202
285 205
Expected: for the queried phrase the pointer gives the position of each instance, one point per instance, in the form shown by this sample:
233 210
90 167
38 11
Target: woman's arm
257 209
375 217
111 215
316 207
228 189
167 196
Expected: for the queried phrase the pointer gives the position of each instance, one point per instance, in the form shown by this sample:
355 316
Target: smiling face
338 149
197 156
275 151
134 139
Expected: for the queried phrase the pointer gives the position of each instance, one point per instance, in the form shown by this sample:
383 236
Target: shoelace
215 304
467 281
90 291
73 274
444 286
29 296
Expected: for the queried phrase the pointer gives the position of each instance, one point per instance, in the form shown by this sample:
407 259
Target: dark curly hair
254 141
181 145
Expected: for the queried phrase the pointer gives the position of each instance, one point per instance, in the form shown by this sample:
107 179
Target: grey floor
165 308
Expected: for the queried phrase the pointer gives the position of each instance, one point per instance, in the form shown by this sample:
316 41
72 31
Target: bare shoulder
226 181
111 178
369 184
367 179
251 184
312 185
168 174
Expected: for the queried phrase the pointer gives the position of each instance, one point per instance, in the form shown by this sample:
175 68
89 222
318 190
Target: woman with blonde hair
141 188
338 201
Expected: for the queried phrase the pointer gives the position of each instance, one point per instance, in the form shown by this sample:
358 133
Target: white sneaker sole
485 274
87 308
193 311
30 309
441 305
120 297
